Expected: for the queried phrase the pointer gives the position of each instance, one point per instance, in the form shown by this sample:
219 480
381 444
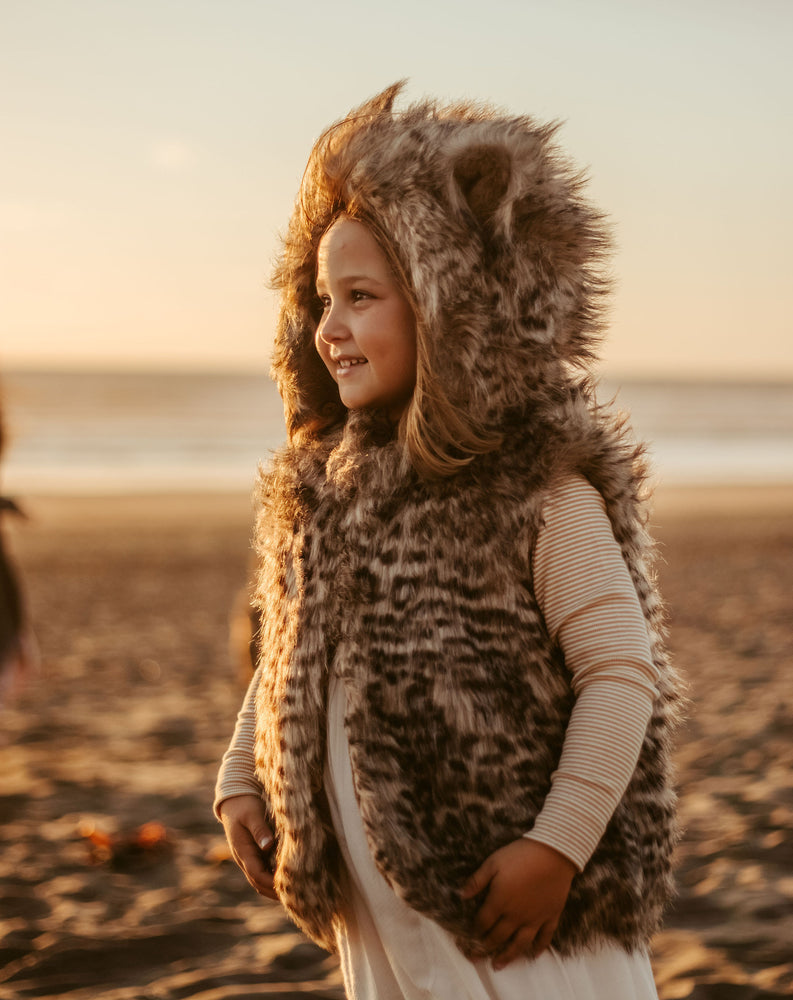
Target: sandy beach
114 879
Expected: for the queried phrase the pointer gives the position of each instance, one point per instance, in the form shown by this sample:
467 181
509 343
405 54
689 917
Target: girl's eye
358 296
318 306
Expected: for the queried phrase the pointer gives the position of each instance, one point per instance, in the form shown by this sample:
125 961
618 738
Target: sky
152 151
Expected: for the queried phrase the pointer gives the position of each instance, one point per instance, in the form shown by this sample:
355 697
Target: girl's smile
366 335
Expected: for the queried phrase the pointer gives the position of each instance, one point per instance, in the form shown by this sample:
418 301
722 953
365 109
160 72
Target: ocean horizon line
599 376
98 430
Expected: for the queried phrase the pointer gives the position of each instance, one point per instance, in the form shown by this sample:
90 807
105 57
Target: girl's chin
388 407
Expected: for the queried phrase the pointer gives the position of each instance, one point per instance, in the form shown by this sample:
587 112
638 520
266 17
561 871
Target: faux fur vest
419 595
418 592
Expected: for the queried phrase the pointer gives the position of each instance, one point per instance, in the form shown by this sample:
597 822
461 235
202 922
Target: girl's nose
332 328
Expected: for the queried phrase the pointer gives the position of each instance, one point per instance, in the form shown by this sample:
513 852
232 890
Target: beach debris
218 853
148 844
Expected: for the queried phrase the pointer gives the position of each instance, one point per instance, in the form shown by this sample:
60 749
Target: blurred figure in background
18 652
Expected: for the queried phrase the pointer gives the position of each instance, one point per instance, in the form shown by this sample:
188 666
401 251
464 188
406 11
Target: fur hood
503 257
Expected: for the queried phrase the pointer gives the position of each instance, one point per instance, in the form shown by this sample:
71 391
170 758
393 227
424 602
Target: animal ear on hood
380 105
482 174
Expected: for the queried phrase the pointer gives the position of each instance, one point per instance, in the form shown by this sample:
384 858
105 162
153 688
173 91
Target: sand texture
114 881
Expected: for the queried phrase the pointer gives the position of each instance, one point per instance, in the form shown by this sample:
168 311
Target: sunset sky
152 149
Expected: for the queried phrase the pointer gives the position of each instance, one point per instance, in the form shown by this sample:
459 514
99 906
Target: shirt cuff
228 788
568 828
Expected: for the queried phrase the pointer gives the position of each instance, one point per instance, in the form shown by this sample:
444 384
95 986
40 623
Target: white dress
389 951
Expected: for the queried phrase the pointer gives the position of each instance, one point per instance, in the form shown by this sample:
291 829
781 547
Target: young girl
451 765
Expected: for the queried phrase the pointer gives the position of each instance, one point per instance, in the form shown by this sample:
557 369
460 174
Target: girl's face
367 333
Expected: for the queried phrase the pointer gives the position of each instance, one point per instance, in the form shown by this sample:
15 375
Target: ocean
99 433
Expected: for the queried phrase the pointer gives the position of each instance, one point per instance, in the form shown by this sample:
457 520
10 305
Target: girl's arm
587 597
237 774
590 606
239 804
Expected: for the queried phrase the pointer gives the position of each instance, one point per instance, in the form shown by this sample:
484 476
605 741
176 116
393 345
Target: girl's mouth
346 367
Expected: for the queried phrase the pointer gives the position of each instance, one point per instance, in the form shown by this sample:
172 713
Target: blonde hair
439 436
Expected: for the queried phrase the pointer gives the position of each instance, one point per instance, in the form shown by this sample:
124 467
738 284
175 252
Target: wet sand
136 699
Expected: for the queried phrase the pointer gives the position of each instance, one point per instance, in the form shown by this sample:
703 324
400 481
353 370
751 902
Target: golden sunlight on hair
439 437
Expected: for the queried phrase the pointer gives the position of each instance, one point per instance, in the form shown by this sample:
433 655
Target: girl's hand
250 839
526 884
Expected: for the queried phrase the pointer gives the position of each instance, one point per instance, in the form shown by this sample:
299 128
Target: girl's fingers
498 936
262 835
263 884
250 861
544 937
250 840
479 881
527 941
486 919
520 945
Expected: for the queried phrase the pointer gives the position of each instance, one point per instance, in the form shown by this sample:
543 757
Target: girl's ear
482 175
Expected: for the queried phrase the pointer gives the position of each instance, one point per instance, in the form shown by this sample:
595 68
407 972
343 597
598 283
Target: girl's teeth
349 362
